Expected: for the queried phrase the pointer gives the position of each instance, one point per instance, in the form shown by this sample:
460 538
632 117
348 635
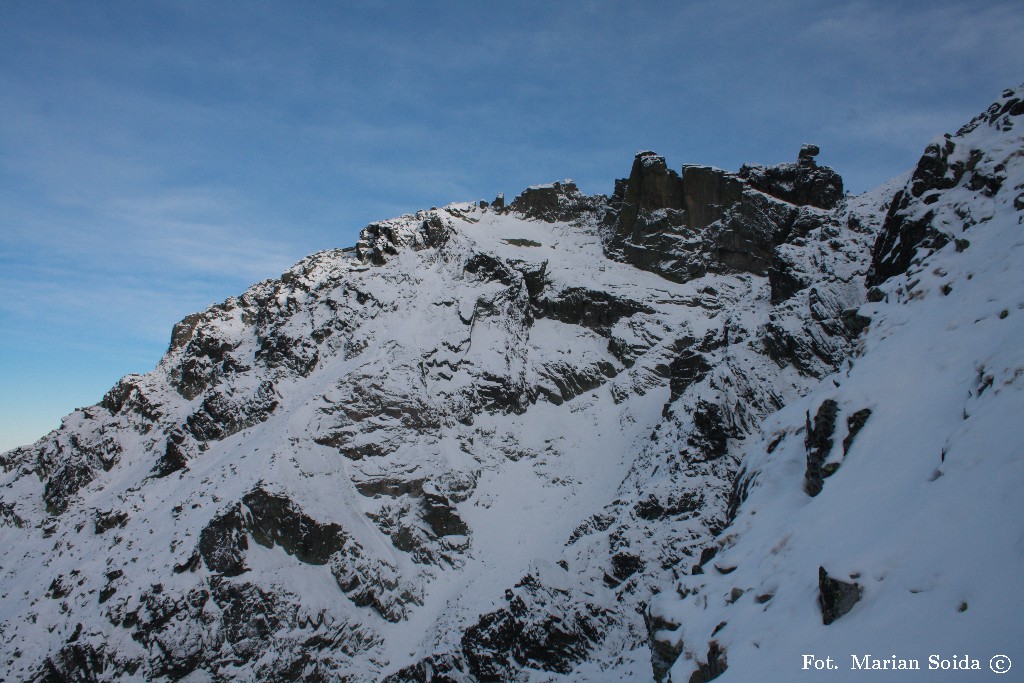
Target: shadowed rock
836 597
803 183
271 520
944 165
818 443
558 201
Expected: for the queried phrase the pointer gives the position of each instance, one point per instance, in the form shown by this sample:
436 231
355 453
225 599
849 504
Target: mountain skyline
158 158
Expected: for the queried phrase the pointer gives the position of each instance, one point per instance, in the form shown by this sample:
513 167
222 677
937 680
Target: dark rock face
711 434
154 621
656 196
709 193
251 615
714 667
275 520
854 321
183 330
372 582
79 662
564 381
817 344
625 565
803 183
359 414
596 310
279 349
559 201
836 597
854 424
379 241
688 368
223 543
785 275
219 625
708 220
205 356
487 268
818 442
909 228
8 516
663 654
443 668
441 516
902 236
751 230
176 455
657 217
271 520
740 490
68 465
541 628
128 395
652 186
107 520
223 414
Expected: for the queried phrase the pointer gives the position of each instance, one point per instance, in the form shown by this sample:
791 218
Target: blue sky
157 157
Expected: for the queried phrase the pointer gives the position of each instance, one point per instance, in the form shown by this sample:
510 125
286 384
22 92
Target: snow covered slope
475 446
912 451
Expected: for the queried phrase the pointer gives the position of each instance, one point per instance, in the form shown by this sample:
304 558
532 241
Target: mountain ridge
471 447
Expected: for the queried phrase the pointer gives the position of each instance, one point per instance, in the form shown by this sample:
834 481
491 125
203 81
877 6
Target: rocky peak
803 183
651 186
807 154
696 198
703 220
557 201
379 240
925 215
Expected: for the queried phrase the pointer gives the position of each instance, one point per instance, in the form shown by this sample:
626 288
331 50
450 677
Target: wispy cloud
157 157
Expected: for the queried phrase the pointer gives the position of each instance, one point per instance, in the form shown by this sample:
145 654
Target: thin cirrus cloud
158 157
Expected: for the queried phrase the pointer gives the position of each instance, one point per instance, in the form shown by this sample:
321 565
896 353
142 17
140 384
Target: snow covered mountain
573 438
887 500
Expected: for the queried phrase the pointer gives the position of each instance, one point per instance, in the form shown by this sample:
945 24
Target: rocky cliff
502 442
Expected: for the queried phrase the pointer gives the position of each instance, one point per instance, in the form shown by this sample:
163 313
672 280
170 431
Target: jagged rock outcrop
650 225
914 225
444 668
379 240
803 183
541 627
818 441
558 201
708 220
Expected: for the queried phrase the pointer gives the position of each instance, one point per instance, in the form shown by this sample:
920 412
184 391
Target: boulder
836 597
